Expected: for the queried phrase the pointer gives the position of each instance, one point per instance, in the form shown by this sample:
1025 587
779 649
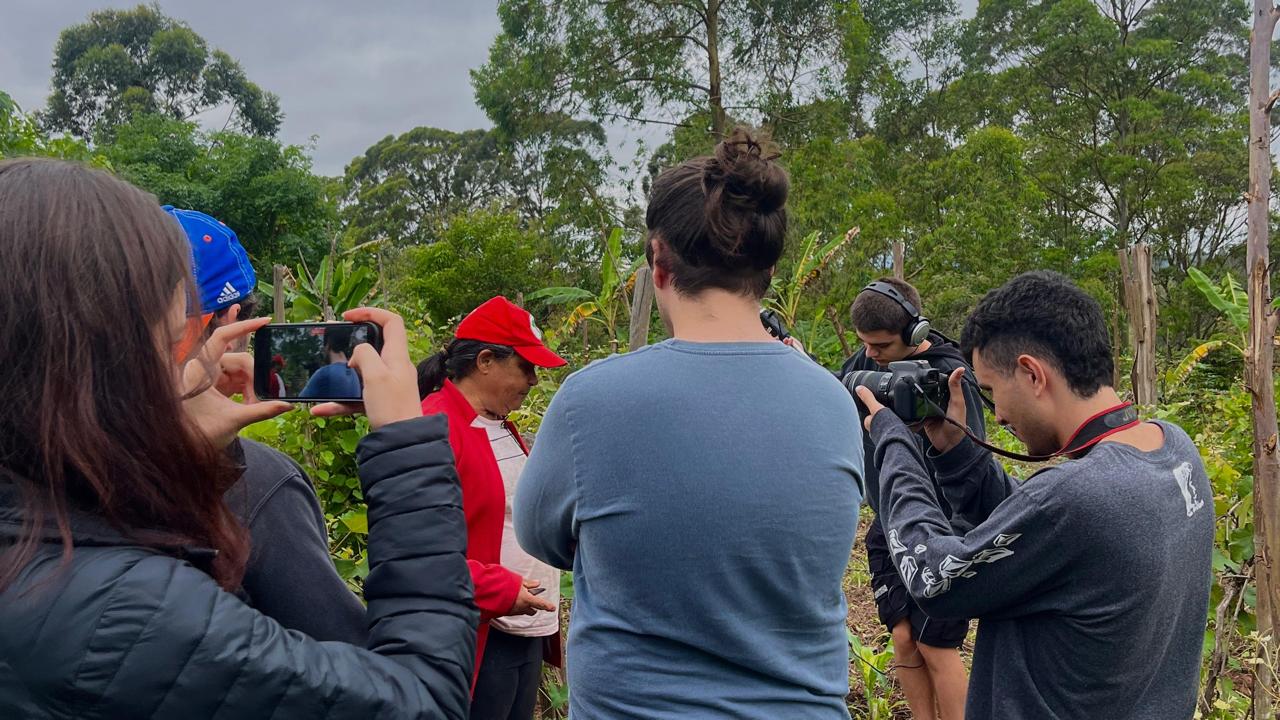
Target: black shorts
894 603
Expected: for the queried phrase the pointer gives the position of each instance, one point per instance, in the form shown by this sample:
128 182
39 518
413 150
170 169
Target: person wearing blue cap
221 266
290 576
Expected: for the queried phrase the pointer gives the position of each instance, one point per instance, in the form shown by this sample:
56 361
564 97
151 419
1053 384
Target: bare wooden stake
1140 302
641 309
277 295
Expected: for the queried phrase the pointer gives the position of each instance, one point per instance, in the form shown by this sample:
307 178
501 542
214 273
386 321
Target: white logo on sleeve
1182 474
229 292
895 545
938 581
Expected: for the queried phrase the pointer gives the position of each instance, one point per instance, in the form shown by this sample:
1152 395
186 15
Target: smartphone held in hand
307 362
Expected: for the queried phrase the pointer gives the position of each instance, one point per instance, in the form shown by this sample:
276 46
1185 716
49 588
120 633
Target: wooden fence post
277 297
641 308
1140 301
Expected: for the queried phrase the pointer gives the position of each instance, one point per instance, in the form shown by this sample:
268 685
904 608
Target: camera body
912 389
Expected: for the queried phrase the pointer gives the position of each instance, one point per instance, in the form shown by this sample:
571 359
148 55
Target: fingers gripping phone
307 362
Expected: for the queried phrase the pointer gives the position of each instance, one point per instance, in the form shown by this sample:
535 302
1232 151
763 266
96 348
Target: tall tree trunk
1140 302
899 259
718 121
1259 354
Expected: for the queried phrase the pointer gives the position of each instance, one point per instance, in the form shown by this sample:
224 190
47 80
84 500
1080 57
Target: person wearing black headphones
887 319
1090 579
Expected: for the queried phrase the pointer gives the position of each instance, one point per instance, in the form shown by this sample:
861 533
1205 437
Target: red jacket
484 501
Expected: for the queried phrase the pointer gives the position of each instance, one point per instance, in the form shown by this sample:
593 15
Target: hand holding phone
219 417
390 380
527 601
311 362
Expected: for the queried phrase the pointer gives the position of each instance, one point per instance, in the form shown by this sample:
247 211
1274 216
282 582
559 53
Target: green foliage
1231 300
659 62
479 255
326 449
605 307
122 62
263 190
338 286
786 292
871 667
405 188
20 135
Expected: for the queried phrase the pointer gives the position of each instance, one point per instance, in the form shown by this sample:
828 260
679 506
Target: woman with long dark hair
118 558
704 489
477 380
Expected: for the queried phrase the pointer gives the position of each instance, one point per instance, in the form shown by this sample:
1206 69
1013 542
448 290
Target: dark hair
338 339
91 266
872 311
455 362
723 217
1043 314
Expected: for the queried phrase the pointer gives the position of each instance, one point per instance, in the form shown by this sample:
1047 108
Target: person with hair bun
704 490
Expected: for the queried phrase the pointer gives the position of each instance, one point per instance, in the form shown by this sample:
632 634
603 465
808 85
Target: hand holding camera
914 392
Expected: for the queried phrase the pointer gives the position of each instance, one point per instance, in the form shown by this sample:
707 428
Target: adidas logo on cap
228 293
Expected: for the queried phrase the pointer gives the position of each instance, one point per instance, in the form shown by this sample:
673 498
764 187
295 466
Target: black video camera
912 389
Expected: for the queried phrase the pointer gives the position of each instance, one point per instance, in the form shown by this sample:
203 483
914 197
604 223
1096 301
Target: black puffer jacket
127 632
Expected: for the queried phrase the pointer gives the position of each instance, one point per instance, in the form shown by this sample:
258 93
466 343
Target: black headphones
918 330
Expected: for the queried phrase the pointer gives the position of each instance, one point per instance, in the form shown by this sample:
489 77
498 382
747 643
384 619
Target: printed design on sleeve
907 569
1183 475
951 567
896 547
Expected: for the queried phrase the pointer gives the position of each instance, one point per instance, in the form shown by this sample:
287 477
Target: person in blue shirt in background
335 379
704 490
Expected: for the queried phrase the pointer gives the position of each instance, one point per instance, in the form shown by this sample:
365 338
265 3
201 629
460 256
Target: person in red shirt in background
483 375
275 386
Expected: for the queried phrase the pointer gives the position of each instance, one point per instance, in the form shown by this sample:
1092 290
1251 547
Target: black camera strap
1090 433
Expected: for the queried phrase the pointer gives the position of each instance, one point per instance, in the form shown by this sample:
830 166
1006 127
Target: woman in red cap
483 375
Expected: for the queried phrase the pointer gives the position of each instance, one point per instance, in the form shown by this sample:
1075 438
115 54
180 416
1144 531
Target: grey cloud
348 73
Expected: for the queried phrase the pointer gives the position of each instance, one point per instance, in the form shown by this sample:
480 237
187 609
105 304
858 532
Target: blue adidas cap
219 261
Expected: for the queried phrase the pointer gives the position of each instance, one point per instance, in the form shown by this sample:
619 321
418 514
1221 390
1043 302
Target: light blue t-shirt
335 380
706 497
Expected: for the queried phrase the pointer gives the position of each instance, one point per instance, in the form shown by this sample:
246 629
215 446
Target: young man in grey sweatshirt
1090 581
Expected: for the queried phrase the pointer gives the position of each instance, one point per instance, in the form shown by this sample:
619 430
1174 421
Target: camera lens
875 381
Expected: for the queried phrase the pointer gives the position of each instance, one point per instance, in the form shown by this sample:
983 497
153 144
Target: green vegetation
1037 134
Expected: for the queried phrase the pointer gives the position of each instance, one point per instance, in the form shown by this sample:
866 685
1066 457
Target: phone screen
307 362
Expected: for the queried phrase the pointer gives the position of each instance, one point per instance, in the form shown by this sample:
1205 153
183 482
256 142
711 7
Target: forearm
496 589
995 566
972 482
421 601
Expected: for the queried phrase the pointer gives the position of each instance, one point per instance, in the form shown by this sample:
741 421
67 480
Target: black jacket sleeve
197 651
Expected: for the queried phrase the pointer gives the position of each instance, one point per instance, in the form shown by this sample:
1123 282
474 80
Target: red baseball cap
501 322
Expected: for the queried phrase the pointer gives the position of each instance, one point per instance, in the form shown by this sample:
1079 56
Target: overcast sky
348 72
